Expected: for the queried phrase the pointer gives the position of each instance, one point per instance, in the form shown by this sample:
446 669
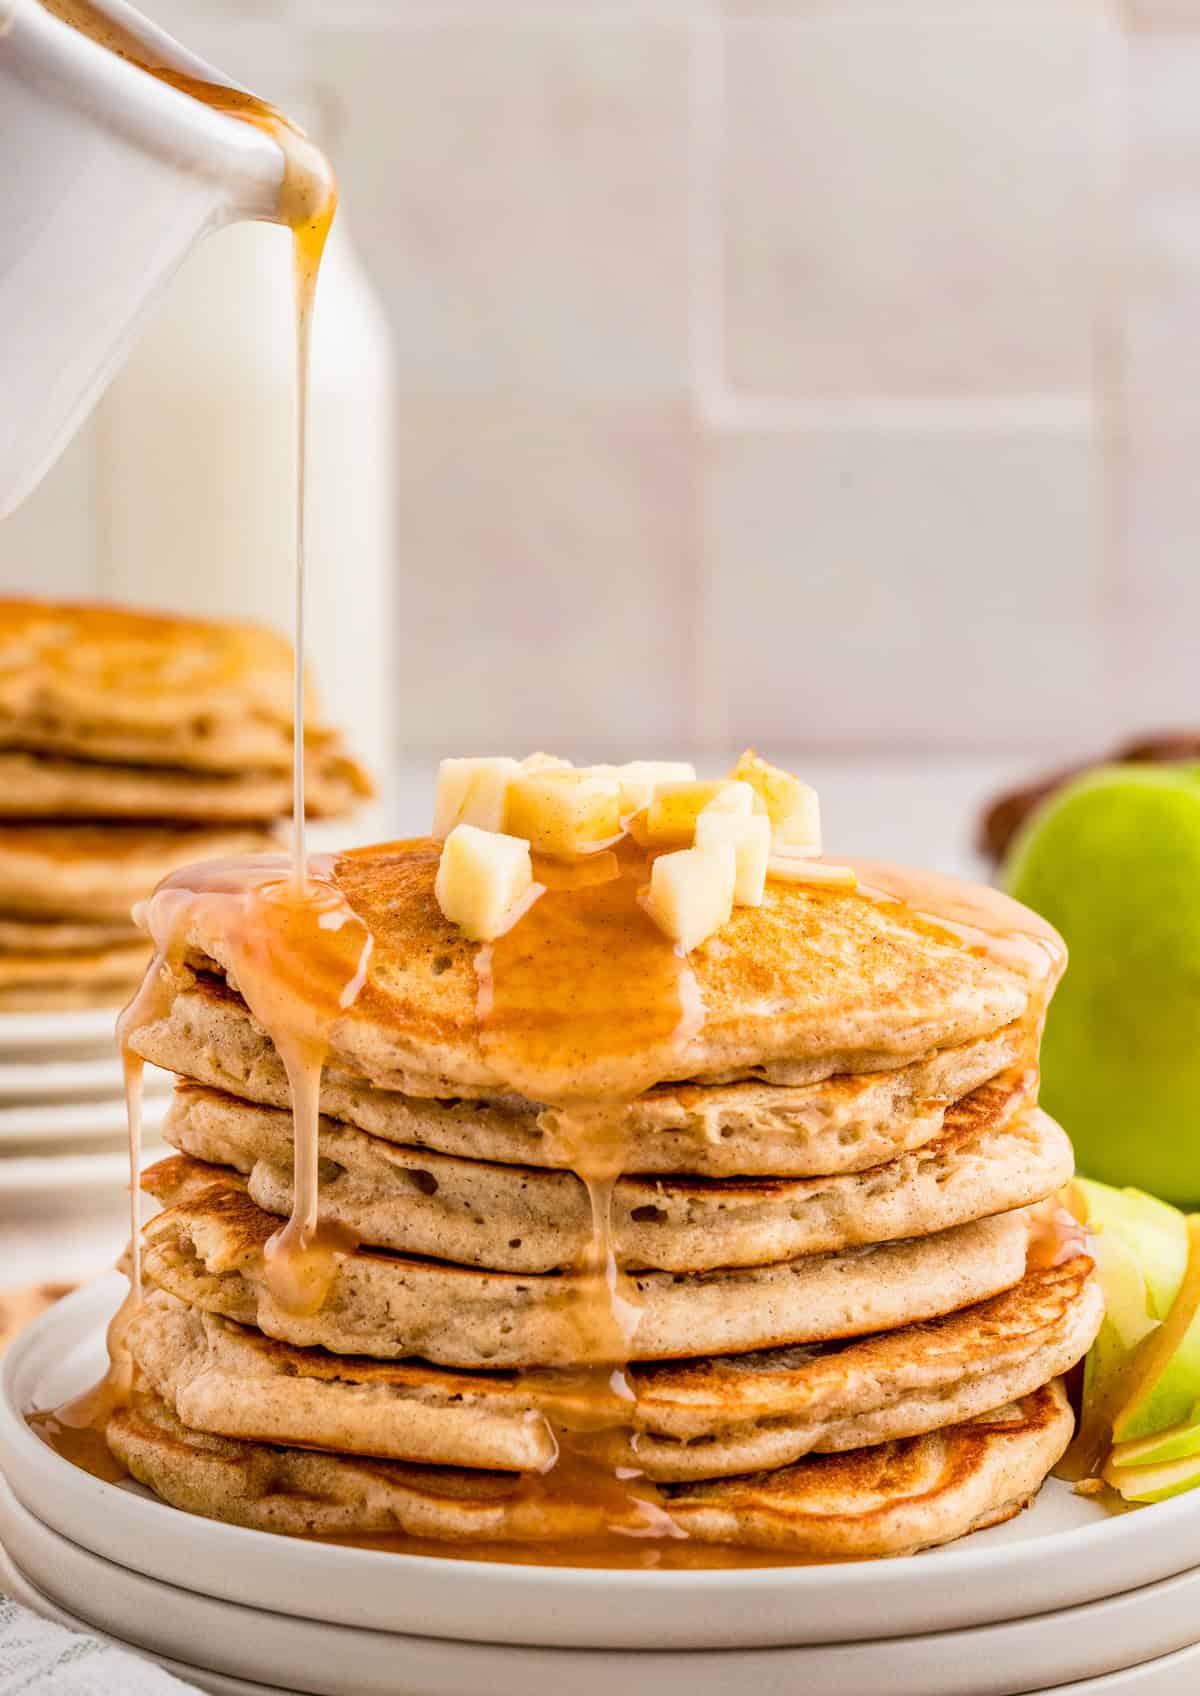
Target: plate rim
123 1599
977 1586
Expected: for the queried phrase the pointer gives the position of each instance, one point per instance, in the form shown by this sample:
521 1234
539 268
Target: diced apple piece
750 838
792 806
640 778
484 881
691 893
792 868
564 814
472 792
672 814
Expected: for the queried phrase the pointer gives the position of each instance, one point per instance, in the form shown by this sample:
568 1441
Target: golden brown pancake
809 984
207 1248
98 871
67 936
892 1499
38 786
693 1419
841 1124
103 682
995 1153
101 977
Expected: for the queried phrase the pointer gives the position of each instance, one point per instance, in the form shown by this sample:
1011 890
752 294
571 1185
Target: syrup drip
584 1004
299 962
1055 1236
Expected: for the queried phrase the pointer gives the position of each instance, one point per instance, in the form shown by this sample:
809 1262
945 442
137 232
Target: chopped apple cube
792 868
564 813
691 893
672 814
472 792
640 778
792 806
484 881
750 838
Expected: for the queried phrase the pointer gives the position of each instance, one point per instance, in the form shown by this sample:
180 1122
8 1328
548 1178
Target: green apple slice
1154 1483
1141 1252
1164 1382
1154 1232
1179 1442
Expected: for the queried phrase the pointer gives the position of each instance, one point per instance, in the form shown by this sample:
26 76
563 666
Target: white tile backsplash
912 199
819 372
545 567
520 188
905 590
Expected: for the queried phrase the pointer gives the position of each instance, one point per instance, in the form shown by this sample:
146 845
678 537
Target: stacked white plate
62 1106
1065 1597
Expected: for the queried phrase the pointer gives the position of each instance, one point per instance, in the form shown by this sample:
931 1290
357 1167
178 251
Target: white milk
196 446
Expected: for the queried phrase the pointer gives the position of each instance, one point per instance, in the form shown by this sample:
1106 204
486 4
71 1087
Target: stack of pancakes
843 1345
130 744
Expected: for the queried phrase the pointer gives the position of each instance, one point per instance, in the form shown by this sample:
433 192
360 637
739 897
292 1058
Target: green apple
1113 861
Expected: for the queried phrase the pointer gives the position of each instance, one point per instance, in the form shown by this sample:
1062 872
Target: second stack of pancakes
852 1311
132 743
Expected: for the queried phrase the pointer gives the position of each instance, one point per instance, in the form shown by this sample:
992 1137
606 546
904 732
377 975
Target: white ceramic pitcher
107 178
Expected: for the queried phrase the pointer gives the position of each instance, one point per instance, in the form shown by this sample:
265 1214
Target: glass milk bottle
197 457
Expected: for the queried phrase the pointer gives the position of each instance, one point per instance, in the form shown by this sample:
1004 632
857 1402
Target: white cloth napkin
39 1658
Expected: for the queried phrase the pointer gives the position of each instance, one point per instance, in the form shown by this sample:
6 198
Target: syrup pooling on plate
76 1430
583 1004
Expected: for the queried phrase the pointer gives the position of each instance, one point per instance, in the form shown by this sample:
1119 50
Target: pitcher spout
110 175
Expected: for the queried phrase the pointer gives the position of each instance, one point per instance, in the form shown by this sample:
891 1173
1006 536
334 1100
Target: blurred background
816 373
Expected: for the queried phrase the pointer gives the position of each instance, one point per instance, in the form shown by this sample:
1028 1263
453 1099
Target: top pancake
811 983
114 684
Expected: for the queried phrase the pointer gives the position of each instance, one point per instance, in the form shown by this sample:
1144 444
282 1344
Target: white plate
1064 1552
193 1629
27 1034
72 1079
14 1583
33 1126
63 1176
